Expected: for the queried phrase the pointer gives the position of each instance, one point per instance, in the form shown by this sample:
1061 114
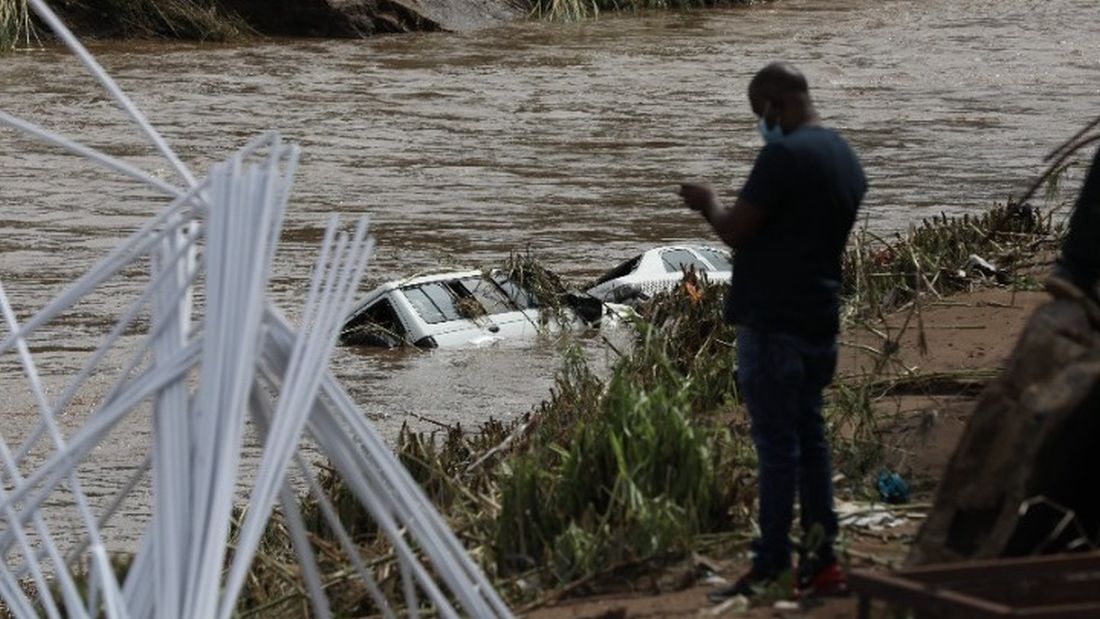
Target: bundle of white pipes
205 379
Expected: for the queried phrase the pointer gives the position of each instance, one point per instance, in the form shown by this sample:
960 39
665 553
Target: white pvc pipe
108 83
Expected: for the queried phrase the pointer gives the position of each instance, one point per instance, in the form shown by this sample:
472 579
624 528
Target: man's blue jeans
782 377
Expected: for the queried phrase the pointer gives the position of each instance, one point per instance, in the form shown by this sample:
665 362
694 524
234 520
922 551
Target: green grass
636 473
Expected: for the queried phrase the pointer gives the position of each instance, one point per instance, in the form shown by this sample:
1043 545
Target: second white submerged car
459 308
659 269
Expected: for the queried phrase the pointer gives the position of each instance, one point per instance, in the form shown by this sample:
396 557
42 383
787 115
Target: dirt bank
966 338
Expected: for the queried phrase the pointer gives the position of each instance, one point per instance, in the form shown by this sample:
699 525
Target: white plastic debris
976 263
735 605
868 516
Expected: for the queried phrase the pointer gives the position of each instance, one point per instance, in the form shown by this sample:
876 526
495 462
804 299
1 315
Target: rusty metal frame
949 589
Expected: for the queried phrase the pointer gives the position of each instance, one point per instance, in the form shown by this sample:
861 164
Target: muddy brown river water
563 139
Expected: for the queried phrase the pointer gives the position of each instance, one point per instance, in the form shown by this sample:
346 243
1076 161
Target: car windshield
676 260
720 259
448 300
622 270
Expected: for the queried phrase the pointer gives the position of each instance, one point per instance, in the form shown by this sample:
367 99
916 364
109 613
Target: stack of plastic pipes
206 373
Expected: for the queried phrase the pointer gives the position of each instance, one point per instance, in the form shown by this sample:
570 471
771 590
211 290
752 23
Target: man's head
779 95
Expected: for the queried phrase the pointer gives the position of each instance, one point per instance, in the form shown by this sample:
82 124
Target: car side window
434 302
720 259
676 260
377 325
519 296
382 315
487 293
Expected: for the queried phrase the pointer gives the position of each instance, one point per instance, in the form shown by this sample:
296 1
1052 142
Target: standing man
788 229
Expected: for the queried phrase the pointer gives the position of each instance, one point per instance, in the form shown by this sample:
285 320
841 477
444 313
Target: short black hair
779 78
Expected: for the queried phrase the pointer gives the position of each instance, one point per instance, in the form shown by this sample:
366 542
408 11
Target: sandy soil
966 339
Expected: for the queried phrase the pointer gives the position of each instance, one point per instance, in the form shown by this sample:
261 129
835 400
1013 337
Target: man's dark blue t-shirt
787 277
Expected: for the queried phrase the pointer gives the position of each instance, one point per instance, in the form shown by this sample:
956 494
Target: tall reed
201 20
15 24
574 10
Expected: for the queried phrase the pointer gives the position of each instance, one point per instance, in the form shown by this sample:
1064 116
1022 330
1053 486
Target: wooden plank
1040 590
1003 569
1065 611
921 596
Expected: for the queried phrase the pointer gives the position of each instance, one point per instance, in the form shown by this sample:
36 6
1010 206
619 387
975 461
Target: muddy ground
967 338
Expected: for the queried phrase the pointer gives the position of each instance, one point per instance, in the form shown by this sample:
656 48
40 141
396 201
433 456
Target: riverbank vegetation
15 24
193 20
940 256
616 475
223 20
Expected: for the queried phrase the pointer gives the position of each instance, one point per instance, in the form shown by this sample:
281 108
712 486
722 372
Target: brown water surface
563 139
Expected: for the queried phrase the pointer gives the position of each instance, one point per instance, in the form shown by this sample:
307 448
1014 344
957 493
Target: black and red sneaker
821 580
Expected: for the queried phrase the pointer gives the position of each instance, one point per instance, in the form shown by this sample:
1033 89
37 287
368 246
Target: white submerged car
460 308
659 269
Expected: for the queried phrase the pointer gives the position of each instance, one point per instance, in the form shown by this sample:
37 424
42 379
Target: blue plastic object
892 488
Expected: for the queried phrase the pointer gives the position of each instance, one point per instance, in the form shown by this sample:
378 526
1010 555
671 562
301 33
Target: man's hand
734 226
698 197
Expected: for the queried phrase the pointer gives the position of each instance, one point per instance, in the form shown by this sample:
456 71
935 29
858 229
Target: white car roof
694 247
414 280
424 278
435 277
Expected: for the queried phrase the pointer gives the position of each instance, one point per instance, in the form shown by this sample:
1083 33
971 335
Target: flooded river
563 139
